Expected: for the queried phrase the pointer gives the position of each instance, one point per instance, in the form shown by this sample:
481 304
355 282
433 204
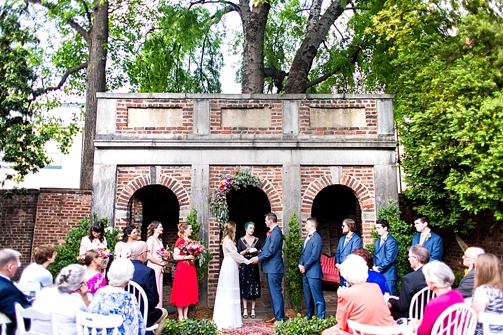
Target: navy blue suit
145 277
10 294
385 254
311 279
272 265
344 250
434 244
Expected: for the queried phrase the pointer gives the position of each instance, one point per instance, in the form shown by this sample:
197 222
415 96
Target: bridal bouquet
194 248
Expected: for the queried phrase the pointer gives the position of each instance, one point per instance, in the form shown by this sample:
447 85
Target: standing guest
9 293
385 253
272 265
184 291
439 278
123 247
467 283
114 300
348 242
154 244
374 277
249 275
227 311
95 240
310 267
93 260
64 300
411 283
427 238
146 278
488 295
37 272
362 302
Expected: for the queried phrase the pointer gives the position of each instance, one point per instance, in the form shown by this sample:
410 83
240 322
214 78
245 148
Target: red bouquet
193 248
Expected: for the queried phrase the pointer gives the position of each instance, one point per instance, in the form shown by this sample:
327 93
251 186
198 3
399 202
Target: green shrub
302 326
204 260
69 251
293 250
189 327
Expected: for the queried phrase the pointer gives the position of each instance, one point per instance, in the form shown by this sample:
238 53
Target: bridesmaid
123 247
93 276
154 243
184 292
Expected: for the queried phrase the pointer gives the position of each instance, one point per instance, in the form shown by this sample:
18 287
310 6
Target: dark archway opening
155 203
331 206
249 204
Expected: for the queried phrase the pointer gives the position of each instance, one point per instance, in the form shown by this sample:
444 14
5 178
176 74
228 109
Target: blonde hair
151 227
182 227
229 230
488 271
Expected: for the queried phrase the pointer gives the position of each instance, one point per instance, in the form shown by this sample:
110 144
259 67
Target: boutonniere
268 233
310 235
427 236
348 237
383 239
467 271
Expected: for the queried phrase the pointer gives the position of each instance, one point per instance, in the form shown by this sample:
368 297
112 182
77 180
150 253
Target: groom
272 266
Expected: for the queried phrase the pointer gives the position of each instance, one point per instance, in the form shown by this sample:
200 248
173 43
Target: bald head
139 249
471 255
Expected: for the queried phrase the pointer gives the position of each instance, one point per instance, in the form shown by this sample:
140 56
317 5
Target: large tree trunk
316 31
95 82
254 21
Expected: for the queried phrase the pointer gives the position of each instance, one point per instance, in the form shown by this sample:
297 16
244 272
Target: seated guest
145 277
374 277
37 272
9 293
439 278
488 295
411 283
113 299
64 300
467 283
362 302
94 278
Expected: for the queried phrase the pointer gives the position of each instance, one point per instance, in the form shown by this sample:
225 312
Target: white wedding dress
227 311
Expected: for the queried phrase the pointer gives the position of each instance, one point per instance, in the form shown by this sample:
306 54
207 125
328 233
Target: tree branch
277 76
352 59
62 81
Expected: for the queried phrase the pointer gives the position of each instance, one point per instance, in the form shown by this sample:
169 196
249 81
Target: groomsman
310 267
385 253
271 259
427 238
348 242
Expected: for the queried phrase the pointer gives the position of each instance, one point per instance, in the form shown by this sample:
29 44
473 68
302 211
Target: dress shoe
271 320
272 324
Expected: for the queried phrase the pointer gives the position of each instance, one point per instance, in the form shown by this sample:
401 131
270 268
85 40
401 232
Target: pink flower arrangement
104 252
193 248
165 254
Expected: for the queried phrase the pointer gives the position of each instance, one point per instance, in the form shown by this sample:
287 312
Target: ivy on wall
218 202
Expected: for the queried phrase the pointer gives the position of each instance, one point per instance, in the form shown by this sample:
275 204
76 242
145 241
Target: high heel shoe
252 314
245 313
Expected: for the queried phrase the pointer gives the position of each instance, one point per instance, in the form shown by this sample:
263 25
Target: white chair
458 319
361 329
141 296
4 321
94 324
489 319
30 290
418 303
29 313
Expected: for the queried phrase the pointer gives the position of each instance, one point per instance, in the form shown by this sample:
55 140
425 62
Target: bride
227 311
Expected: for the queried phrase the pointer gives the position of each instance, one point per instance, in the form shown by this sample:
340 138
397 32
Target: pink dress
155 244
96 282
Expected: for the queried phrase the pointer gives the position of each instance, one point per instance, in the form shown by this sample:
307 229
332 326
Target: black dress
249 275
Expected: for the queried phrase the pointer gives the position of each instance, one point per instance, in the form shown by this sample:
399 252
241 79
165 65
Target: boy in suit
385 253
310 267
427 238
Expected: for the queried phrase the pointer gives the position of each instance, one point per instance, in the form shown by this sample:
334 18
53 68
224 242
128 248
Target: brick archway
273 195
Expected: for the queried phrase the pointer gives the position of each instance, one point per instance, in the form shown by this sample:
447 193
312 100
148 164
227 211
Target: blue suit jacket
310 257
434 244
384 257
271 256
145 277
10 294
344 250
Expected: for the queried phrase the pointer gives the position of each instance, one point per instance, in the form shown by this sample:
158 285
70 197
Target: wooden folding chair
97 324
488 320
361 329
4 321
32 314
418 303
135 289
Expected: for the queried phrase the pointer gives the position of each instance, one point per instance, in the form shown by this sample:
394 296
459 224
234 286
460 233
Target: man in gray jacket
468 282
